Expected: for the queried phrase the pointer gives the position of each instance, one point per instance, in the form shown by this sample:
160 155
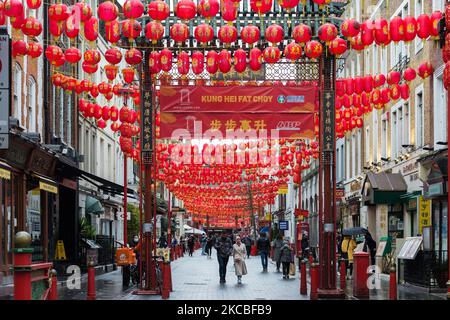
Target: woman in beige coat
239 254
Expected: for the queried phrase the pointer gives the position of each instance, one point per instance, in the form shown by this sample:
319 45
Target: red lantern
131 28
423 26
111 71
395 92
375 96
101 124
133 9
240 60
271 54
340 87
356 43
107 11
228 11
367 33
34 49
368 84
82 10
19 48
288 4
338 46
410 24
397 29
261 6
97 111
359 122
302 33
92 56
112 31
133 56
34 4
32 27
204 33
379 80
73 55
72 27
385 95
55 28
128 74
183 63
208 8
58 12
53 53
350 28
154 62
185 10
250 34
293 51
425 70
115 126
179 32
313 49
124 114
166 57
198 62
224 61
91 29
358 84
13 8
113 113
446 76
446 48
381 32
212 61
327 32
349 86
393 77
158 10
2 16
227 34
274 34
113 55
435 18
89 68
409 74
404 91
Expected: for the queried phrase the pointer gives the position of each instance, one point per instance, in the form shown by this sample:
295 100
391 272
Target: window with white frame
405 125
399 50
342 163
367 62
375 59
438 5
31 104
358 151
440 103
400 128
338 160
367 144
61 114
375 136
384 136
354 155
347 157
384 60
419 117
17 97
418 10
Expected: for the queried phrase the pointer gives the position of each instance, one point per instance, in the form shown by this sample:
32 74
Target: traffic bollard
91 281
314 281
169 276
310 259
303 287
393 283
53 293
343 272
166 282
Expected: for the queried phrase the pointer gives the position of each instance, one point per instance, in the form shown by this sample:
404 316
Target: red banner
281 99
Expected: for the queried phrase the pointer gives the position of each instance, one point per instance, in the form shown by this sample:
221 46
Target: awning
93 206
105 185
191 230
46 184
383 188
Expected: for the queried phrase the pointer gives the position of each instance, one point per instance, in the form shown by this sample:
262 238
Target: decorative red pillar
22 264
53 293
393 283
125 195
303 287
91 282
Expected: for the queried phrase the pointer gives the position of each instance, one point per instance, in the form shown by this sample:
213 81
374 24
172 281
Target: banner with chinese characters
264 99
424 213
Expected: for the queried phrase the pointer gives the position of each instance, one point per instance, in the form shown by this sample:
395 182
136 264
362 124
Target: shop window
8 224
396 221
17 93
33 219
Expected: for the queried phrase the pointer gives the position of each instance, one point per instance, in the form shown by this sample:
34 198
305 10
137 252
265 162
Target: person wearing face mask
224 248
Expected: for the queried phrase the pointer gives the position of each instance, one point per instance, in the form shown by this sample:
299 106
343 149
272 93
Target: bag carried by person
292 269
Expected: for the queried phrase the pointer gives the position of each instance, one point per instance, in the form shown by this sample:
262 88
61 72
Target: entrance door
8 224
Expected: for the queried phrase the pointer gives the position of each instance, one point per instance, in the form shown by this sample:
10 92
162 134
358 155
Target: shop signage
5 89
340 192
48 187
5 174
435 189
283 225
283 189
355 186
147 123
424 213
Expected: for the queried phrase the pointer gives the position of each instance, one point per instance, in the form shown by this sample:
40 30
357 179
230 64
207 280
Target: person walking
203 240
263 246
191 243
209 244
162 242
248 245
239 253
370 246
277 244
183 244
305 246
286 258
347 247
224 248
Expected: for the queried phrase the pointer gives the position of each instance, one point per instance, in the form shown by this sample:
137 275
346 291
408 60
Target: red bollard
91 281
303 287
171 257
360 275
166 282
393 283
314 281
169 276
53 293
310 258
343 272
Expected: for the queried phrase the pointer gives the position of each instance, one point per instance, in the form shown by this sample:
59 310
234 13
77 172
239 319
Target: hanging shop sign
5 174
424 213
328 122
283 225
48 187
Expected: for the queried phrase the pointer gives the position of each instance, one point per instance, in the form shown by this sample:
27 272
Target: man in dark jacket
370 246
248 244
224 248
263 245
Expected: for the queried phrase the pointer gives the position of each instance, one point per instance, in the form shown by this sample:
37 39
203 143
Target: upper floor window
418 10
399 50
419 117
17 93
31 104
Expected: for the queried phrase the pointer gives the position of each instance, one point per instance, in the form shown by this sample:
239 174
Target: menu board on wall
410 248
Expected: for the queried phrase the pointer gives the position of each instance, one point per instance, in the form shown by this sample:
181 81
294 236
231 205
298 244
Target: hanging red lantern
379 80
114 113
179 32
72 27
13 8
158 10
185 10
112 31
73 55
368 84
338 46
128 74
133 9
131 29
228 11
358 84
397 29
89 68
367 33
350 28
385 95
107 11
302 33
32 27
198 62
349 86
115 126
271 54
327 32
82 10
106 113
58 12
19 48
34 4
240 60
133 56
92 56
101 124
435 18
183 63
409 74
293 51
313 49
288 4
393 77
410 24
250 34
113 55
340 87
224 61
2 16
274 34
381 32
124 114
356 43
404 91
375 96
111 71
34 49
261 6
53 53
97 111
208 8
446 48
166 58
86 85
212 61
91 29
204 33
446 76
395 92
227 34
423 26
359 122
154 62
55 28
425 70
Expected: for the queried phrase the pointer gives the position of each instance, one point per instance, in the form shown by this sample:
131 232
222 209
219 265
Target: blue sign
283 225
